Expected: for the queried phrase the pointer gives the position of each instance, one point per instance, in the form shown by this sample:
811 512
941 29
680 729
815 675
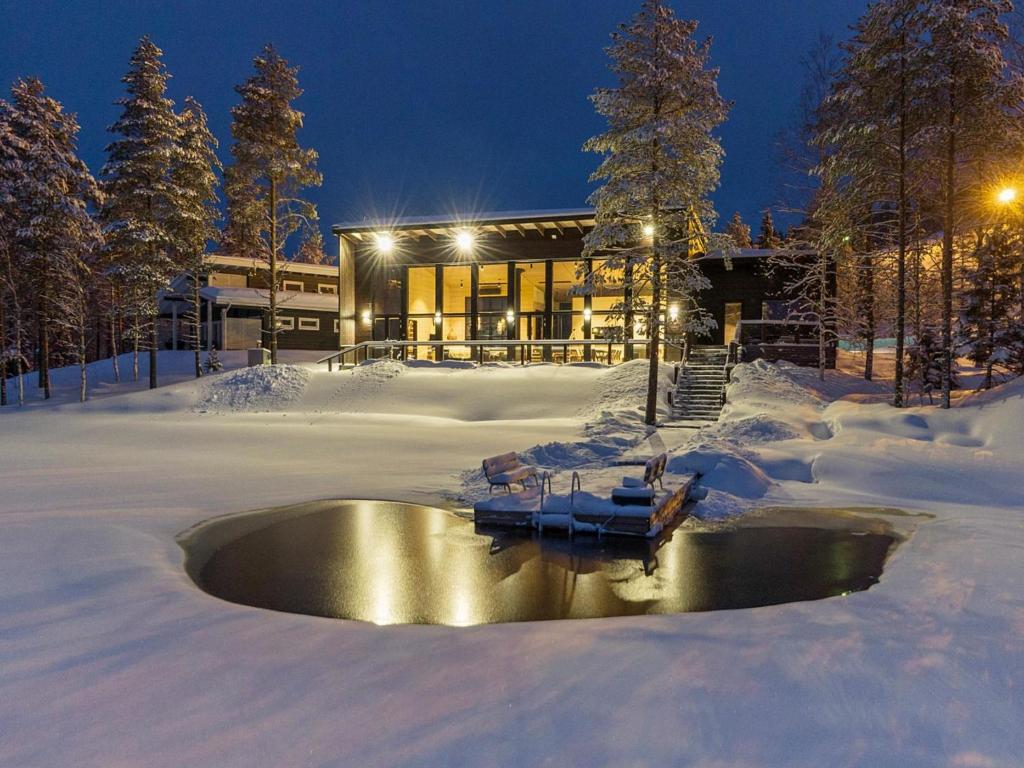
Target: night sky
427 107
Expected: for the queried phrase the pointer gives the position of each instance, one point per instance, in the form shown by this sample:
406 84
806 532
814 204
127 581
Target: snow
257 389
109 655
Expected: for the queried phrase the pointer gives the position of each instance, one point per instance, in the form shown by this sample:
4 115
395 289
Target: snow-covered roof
295 267
259 297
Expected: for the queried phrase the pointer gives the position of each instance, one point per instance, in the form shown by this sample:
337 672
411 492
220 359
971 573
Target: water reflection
392 563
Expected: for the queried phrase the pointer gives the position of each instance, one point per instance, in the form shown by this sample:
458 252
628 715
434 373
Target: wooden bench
505 470
636 492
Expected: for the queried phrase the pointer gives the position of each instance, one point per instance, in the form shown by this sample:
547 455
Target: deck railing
520 351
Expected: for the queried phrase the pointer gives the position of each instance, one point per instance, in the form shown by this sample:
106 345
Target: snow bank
111 656
258 389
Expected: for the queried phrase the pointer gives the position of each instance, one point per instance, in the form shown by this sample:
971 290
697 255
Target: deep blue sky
427 106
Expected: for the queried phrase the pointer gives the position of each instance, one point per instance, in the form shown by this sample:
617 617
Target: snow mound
622 388
759 428
257 389
378 371
761 384
722 470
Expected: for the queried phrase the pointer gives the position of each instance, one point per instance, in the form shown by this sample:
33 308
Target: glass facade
505 301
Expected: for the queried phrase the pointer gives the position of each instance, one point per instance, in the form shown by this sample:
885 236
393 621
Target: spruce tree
768 238
739 231
193 222
264 184
661 163
141 194
925 364
988 329
56 236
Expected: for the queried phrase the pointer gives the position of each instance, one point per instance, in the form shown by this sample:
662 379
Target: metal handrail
481 344
545 479
577 485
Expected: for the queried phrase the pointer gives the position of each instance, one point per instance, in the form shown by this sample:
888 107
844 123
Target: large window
458 292
492 301
567 303
422 300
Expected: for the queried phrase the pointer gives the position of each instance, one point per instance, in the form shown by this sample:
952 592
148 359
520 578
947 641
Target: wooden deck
589 513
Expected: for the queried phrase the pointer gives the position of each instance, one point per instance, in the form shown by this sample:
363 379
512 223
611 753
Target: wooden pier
583 512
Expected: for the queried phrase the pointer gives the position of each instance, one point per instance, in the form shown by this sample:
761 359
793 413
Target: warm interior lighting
366 317
648 230
510 315
1007 195
673 312
437 318
385 243
464 241
587 314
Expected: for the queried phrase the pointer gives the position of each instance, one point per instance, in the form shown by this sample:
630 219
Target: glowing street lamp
1006 195
648 231
587 314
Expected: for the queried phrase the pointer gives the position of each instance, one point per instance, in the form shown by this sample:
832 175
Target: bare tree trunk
82 371
651 410
273 271
901 256
44 355
114 346
196 324
136 332
822 328
867 298
154 340
947 249
3 351
17 360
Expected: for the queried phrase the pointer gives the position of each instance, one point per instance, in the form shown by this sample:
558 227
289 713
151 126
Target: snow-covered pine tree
661 163
871 129
312 249
264 184
974 98
768 238
56 235
193 221
142 196
925 364
988 330
212 363
739 231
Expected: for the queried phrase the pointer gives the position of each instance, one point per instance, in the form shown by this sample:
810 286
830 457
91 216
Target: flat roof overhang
504 223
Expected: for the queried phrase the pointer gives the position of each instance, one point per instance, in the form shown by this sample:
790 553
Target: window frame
286 283
306 320
285 323
332 289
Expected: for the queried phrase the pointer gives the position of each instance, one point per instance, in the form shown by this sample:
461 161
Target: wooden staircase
700 386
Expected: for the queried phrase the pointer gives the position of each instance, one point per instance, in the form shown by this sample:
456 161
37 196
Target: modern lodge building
502 277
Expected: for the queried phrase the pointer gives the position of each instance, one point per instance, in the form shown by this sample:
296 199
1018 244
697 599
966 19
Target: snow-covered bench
505 470
637 492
